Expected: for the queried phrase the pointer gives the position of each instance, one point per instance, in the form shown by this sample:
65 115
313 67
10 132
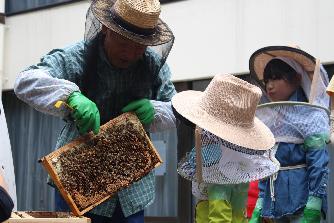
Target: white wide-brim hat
261 58
227 109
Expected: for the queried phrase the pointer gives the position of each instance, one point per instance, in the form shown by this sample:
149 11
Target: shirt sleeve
317 159
164 118
166 89
54 78
316 136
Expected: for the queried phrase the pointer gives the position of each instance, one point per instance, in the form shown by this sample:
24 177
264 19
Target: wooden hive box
92 168
45 217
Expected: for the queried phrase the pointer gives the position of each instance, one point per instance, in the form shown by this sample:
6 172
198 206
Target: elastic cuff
314 203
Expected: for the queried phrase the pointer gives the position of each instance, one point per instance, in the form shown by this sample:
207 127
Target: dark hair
277 69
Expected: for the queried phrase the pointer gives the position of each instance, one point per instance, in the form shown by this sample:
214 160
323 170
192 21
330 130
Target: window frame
9 12
54 4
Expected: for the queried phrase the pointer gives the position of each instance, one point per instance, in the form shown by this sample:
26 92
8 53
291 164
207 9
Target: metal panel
32 135
185 140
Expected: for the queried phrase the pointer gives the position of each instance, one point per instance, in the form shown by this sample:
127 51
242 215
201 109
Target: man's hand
85 113
143 108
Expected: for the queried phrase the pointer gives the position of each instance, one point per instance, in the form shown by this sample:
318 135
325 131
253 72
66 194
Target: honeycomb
93 168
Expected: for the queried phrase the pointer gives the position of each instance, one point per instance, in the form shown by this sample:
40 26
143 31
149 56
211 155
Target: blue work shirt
293 187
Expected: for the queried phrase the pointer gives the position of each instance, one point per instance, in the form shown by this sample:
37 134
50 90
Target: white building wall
212 36
31 35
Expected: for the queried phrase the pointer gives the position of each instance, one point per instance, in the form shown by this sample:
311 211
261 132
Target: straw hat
137 20
261 57
227 109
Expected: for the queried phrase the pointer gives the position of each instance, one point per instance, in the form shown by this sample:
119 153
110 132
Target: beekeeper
118 67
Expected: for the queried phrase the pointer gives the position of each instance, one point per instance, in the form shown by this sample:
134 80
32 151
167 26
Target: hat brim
102 11
261 57
257 137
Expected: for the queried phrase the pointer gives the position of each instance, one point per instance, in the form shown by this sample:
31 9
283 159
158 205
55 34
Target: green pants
226 204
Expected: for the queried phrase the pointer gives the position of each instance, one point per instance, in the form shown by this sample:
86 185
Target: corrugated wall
32 135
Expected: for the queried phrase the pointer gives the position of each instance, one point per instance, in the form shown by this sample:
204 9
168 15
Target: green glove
143 108
312 211
311 216
256 216
85 113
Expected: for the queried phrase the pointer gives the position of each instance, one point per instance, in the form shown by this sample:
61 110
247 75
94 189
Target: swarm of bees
106 163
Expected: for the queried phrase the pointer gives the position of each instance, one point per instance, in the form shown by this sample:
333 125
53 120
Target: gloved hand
143 108
312 211
85 113
256 216
311 216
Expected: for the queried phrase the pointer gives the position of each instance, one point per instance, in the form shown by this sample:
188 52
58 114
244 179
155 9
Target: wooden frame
45 217
47 160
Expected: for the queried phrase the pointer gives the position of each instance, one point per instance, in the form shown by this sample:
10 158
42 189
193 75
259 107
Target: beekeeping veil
217 161
136 20
232 145
294 121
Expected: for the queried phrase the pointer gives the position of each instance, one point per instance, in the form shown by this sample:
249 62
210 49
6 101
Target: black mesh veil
93 36
149 65
305 114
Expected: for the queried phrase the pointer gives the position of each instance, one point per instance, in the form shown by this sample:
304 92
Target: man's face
121 52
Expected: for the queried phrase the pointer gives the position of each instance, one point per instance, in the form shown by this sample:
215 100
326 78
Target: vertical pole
199 174
330 92
2 36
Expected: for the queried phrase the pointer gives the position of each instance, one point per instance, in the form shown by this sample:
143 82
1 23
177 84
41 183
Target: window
19 6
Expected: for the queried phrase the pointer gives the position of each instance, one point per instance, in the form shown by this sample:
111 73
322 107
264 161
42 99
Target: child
301 129
234 147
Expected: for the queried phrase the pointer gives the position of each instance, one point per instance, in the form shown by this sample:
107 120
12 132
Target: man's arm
163 117
51 80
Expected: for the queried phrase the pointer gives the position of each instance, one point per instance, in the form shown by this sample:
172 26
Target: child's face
279 89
